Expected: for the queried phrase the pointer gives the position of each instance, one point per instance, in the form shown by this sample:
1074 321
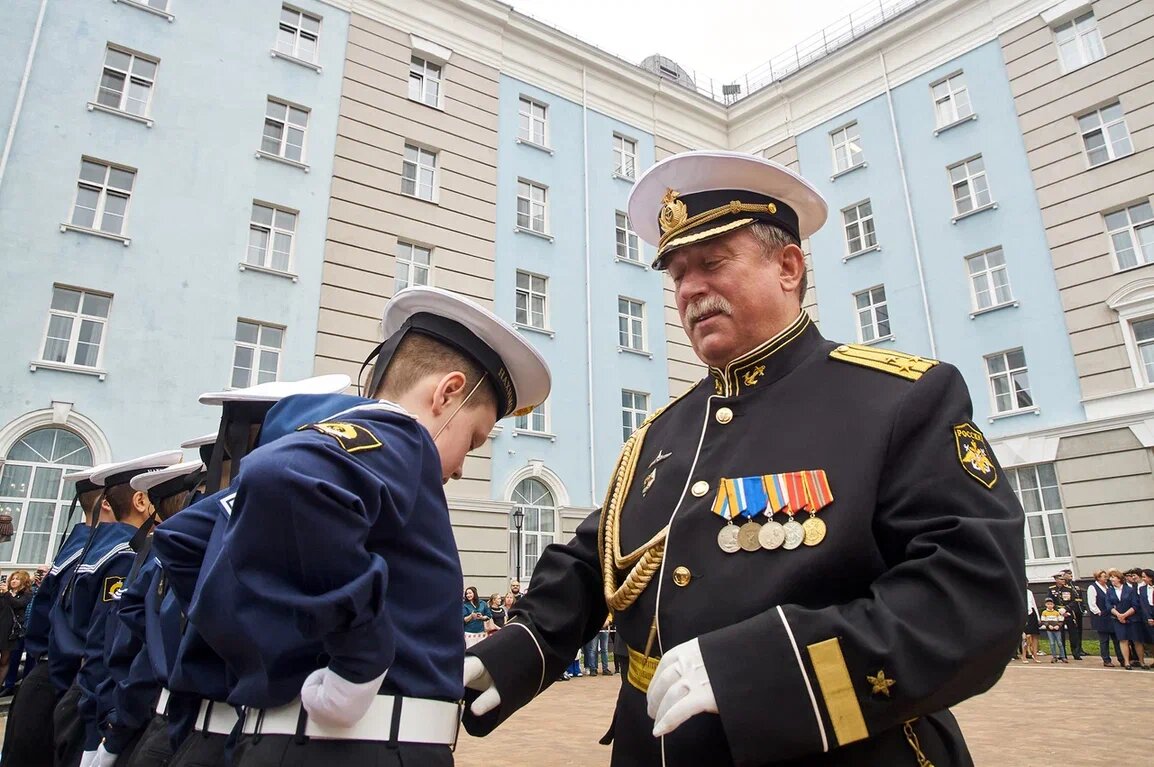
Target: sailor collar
765 363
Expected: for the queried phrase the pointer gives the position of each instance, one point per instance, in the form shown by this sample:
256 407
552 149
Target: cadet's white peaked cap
83 478
150 479
274 391
523 375
119 473
696 196
201 441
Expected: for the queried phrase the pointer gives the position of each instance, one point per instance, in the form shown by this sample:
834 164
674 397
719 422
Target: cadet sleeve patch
974 454
350 437
112 586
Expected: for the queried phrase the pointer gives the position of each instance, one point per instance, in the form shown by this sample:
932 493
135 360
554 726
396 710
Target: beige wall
1072 196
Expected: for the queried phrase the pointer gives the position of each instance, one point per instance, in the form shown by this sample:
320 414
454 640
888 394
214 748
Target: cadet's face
465 432
731 297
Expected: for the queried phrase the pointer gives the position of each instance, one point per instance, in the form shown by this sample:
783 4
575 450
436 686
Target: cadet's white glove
334 701
477 678
680 688
103 758
86 758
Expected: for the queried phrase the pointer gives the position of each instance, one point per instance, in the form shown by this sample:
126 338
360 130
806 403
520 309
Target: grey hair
774 238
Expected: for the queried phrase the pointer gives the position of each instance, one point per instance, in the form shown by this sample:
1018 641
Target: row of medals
753 536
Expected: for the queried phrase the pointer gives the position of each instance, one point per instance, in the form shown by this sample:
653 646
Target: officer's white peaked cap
274 391
528 374
118 473
148 480
201 441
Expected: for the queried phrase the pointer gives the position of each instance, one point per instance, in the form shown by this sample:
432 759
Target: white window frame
156 7
104 191
860 222
270 231
77 318
1082 40
257 348
1103 128
405 253
631 416
841 139
529 423
526 107
987 276
1134 303
286 125
624 157
956 86
420 77
870 313
530 293
969 180
297 30
411 171
1143 373
635 324
1133 231
543 538
130 78
1014 478
1009 375
626 243
524 185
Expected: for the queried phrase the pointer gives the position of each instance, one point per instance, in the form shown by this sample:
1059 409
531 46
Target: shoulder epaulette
908 366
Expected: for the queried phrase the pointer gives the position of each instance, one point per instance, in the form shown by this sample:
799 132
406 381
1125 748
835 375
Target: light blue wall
563 261
1016 224
177 288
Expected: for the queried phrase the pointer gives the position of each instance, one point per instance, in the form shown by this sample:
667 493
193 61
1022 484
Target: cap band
86 486
124 477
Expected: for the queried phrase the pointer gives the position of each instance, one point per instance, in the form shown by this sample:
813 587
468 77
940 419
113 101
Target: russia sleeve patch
974 454
350 437
112 586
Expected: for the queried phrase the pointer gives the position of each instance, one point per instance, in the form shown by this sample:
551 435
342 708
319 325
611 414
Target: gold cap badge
673 212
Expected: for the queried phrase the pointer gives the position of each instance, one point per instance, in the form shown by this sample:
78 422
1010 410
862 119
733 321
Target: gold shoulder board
908 366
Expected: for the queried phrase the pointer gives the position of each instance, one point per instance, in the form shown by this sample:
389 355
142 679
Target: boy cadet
28 736
339 563
88 599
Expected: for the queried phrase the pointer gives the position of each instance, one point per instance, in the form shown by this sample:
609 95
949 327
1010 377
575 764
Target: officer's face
731 296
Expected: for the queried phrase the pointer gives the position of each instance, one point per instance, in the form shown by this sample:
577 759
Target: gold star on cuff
880 683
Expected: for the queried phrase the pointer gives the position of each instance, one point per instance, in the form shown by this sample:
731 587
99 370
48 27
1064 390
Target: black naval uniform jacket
817 655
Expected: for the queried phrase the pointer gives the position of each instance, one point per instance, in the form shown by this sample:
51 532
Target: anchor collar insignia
767 362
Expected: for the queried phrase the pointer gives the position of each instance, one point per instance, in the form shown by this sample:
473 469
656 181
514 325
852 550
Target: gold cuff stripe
641 670
837 691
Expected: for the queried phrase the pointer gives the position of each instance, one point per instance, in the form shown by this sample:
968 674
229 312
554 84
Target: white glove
103 758
477 678
334 701
87 758
680 688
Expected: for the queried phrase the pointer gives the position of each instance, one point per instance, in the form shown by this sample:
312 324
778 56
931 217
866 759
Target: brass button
700 488
724 415
682 576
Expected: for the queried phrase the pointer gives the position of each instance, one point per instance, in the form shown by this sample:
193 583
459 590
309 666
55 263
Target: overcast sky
722 39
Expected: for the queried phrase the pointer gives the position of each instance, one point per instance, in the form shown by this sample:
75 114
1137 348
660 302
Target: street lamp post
518 520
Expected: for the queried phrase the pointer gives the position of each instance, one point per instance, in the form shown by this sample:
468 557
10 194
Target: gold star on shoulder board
881 685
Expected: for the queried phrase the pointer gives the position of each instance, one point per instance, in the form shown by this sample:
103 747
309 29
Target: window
425 81
102 196
531 300
419 172
413 264
951 100
971 190
284 130
859 227
533 421
1143 331
624 157
1104 134
76 320
531 206
126 82
270 237
1009 381
846 148
631 324
627 244
989 281
532 125
873 314
32 492
1079 42
298 33
256 358
535 509
1037 490
1131 233
634 410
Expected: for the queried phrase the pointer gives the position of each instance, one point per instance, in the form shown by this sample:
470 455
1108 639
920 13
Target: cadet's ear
448 389
141 503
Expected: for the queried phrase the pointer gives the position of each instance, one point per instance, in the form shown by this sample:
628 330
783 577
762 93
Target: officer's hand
680 688
103 758
334 701
477 678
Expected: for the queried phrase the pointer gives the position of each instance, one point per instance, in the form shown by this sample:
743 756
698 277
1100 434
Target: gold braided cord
731 208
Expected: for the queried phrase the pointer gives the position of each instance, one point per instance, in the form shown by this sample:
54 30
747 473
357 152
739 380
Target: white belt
221 720
421 721
162 701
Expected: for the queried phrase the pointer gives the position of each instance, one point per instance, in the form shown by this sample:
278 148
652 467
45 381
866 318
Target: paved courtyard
1010 725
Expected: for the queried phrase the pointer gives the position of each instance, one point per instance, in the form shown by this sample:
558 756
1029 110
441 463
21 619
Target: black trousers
290 751
28 737
202 749
69 730
1073 627
153 748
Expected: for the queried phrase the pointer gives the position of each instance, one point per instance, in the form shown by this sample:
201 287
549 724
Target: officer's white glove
103 758
680 688
477 678
86 758
334 701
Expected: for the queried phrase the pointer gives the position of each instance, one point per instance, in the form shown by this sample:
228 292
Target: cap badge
673 212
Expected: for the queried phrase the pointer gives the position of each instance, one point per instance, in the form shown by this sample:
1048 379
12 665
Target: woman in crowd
1100 618
1125 611
15 595
475 612
497 610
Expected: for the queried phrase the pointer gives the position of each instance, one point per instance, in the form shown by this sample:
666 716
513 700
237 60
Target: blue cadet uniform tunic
338 552
819 653
39 620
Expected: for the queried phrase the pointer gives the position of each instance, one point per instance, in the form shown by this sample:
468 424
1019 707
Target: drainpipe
23 89
588 292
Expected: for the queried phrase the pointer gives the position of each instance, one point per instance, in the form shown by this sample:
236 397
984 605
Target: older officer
734 517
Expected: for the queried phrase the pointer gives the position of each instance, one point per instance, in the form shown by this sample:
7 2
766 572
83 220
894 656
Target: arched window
31 491
534 507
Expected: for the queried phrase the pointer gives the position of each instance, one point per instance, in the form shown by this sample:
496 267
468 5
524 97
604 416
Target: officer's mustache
703 307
